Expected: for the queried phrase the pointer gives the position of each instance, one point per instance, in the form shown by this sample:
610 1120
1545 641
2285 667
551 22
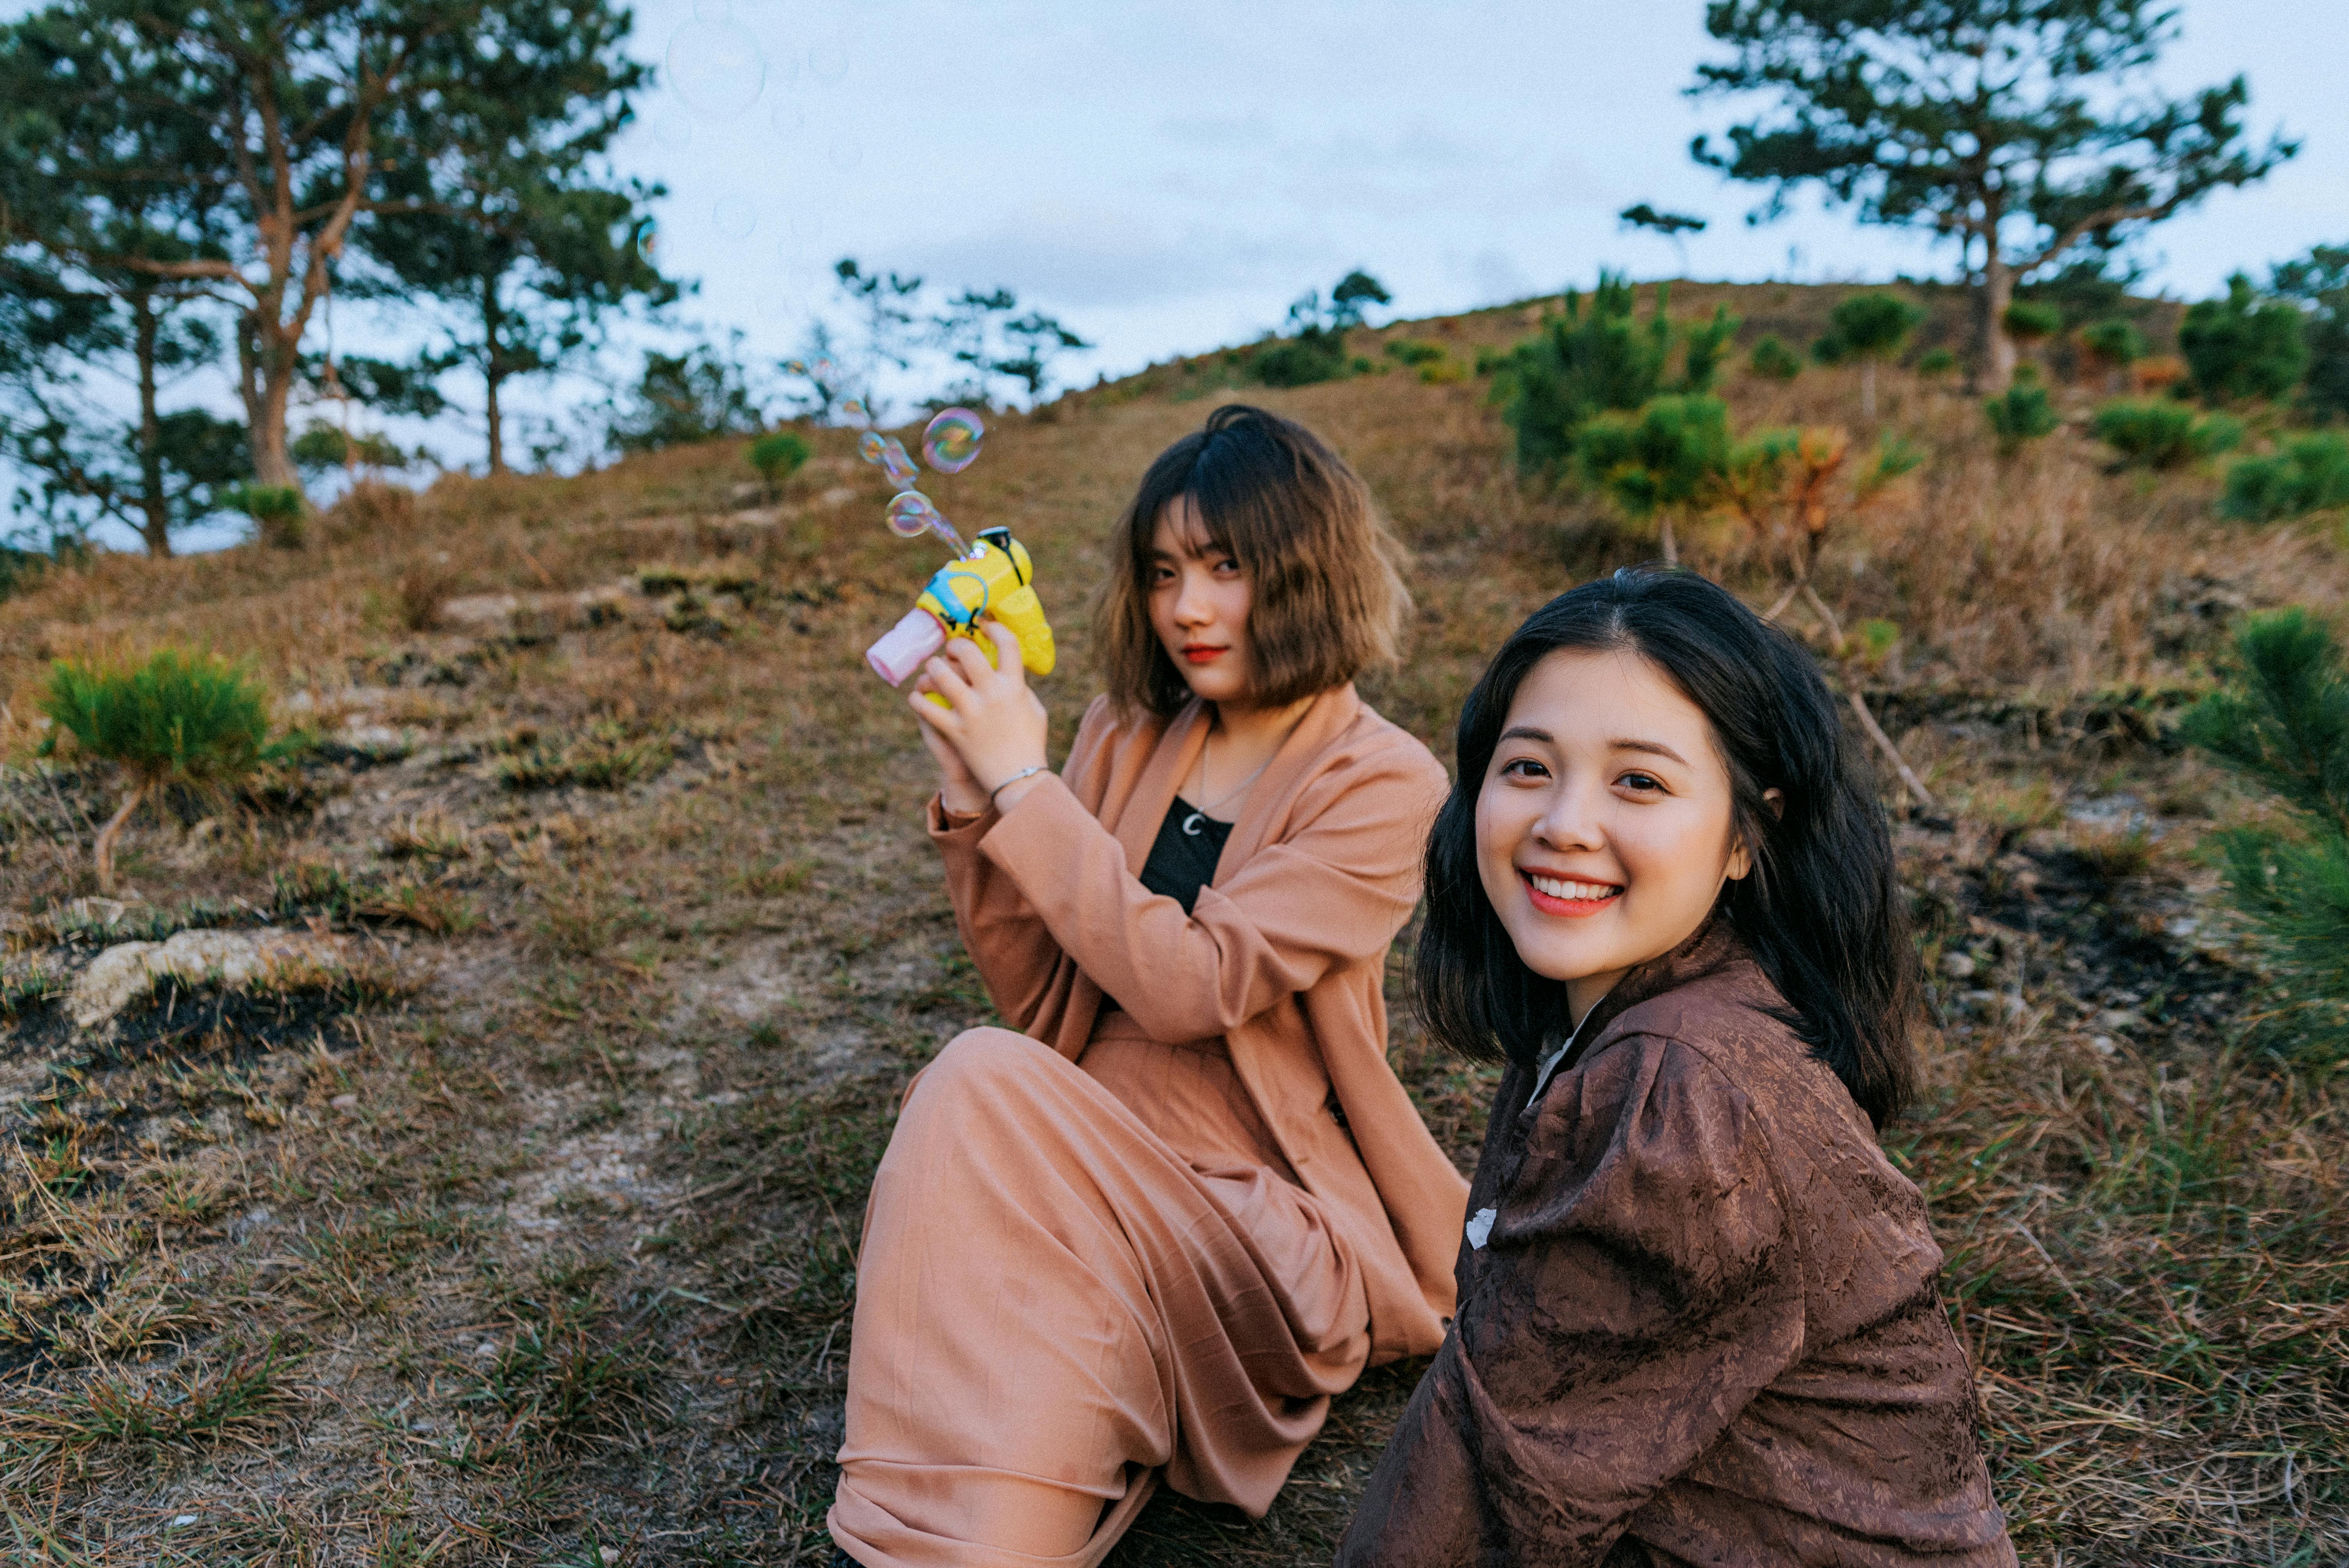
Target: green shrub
277 513
1658 461
2114 342
1936 362
2021 413
1588 362
1316 354
2283 724
176 719
1703 345
1412 352
2150 433
1774 360
778 455
2318 284
2028 321
2309 475
2243 346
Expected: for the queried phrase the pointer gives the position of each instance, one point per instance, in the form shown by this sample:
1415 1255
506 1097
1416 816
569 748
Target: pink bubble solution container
903 646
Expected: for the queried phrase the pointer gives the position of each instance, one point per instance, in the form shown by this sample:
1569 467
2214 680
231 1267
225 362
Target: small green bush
179 718
2244 346
2021 413
2283 724
1316 354
1658 461
1936 362
2309 475
778 455
2149 433
2114 342
1413 352
1774 360
277 513
2028 321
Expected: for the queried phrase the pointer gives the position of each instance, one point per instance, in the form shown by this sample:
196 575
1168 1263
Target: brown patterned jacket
1702 1326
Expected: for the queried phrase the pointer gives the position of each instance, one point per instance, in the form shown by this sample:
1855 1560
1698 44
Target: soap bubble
734 217
821 369
912 515
854 409
951 443
898 465
673 134
796 367
871 447
648 240
716 68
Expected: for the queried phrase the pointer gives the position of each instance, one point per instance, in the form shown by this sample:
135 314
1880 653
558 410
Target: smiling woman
1698 1316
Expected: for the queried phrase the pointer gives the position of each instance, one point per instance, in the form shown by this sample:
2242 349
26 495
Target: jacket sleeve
1641 1286
1335 890
1007 940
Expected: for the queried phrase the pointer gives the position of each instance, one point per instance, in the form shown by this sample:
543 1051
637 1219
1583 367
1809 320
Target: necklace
1196 823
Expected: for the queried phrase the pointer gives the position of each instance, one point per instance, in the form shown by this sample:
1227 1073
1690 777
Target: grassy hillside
520 1228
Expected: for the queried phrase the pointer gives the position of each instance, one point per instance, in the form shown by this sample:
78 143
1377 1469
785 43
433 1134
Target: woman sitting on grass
1698 1310
1183 1200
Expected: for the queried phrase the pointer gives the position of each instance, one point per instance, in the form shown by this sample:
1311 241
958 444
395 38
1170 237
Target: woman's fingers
1007 653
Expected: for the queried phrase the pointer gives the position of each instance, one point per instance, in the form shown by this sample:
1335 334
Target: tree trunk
1867 388
154 506
1993 350
492 371
272 464
1671 545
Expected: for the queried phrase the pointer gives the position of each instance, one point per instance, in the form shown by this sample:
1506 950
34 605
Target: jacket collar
1177 748
1714 947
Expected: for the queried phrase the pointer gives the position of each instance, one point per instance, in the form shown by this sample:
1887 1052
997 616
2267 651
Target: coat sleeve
1006 938
1641 1286
1334 891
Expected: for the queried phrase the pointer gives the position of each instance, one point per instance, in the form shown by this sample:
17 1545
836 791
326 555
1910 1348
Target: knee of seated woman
977 1061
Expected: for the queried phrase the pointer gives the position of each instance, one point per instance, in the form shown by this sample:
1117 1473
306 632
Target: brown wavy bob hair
1326 595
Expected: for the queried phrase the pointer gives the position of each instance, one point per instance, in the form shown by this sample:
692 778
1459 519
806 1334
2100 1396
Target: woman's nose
1571 820
1192 607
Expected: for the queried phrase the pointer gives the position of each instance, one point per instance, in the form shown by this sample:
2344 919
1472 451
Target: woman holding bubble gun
1699 1317
1149 1229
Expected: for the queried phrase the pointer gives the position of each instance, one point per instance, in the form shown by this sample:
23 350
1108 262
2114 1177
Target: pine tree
2283 725
1980 122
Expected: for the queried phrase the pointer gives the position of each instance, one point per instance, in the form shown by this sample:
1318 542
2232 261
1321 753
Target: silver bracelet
1007 783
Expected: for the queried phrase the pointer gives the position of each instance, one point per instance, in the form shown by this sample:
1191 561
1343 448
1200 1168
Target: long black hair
1821 911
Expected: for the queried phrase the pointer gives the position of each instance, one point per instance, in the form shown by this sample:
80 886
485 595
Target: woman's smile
1567 896
1203 653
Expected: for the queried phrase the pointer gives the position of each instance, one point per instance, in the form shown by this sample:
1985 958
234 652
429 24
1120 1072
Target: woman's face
1200 606
1603 824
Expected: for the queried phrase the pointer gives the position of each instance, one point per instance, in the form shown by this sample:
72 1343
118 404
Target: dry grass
540 1243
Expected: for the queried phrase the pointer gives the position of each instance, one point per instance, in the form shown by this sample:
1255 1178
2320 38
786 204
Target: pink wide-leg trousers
1072 1279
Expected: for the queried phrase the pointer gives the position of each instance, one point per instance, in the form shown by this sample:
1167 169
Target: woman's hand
992 726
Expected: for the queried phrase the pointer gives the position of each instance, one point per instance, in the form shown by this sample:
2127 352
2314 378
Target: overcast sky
1167 177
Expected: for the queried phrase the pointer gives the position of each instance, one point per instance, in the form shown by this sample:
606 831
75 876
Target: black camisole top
1182 860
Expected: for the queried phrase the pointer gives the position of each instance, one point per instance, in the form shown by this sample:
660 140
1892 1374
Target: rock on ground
236 958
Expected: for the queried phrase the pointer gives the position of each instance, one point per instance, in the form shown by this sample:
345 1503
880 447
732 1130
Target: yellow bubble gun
994 583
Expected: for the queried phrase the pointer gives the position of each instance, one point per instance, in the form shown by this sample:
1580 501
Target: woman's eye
1523 768
1228 567
1641 781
